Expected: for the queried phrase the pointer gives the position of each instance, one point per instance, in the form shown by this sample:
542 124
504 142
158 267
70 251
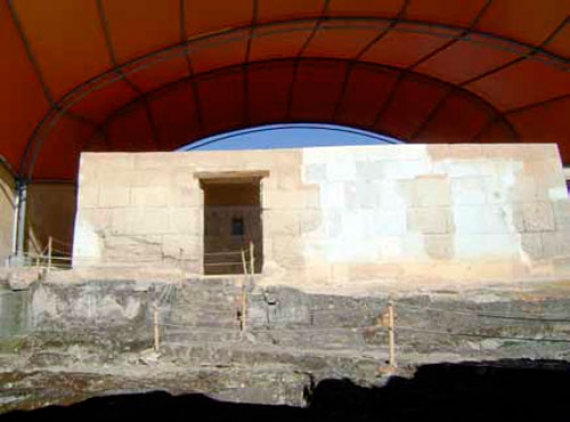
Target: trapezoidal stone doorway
232 223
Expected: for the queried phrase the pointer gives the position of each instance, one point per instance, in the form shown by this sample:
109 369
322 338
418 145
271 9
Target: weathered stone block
370 170
341 170
429 220
314 173
149 196
185 221
465 151
556 244
131 249
430 191
389 222
531 245
97 218
408 169
362 194
114 197
184 196
524 189
88 197
477 219
132 221
538 216
279 223
562 214
469 190
278 199
440 247
182 247
311 221
311 198
486 246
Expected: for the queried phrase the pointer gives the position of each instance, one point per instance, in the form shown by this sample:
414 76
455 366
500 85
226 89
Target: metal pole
392 337
22 205
15 220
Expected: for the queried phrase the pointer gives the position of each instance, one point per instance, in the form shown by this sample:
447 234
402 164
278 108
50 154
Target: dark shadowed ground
508 390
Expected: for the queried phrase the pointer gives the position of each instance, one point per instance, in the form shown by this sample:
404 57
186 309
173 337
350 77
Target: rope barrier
484 336
484 315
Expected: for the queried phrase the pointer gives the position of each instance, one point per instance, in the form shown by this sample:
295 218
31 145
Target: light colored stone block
538 217
279 199
362 194
389 222
182 247
486 246
311 222
133 221
133 249
314 173
149 196
185 221
469 190
531 246
88 197
556 244
281 223
114 197
333 195
465 151
370 170
562 214
100 219
341 170
523 190
430 191
430 220
184 196
439 247
477 219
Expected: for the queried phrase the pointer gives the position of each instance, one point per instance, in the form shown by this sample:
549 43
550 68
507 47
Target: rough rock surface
66 343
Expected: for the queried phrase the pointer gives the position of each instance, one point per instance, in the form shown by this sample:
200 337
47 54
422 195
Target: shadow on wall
482 391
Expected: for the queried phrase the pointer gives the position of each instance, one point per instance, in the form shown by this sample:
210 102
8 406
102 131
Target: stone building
333 215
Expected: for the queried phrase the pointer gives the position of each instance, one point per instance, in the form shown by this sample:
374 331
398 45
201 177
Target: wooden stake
391 334
156 330
251 259
243 304
50 243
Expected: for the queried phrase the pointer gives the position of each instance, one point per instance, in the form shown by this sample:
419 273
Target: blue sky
289 136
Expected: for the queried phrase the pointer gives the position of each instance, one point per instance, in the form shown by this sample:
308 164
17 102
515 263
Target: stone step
341 362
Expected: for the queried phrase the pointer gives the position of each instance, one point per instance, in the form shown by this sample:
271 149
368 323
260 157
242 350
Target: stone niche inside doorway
232 222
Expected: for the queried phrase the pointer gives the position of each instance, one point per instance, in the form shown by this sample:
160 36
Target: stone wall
337 214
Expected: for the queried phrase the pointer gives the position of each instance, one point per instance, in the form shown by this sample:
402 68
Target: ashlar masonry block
538 217
114 197
430 220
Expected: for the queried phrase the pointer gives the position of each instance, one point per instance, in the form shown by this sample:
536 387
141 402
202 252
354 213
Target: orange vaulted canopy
139 75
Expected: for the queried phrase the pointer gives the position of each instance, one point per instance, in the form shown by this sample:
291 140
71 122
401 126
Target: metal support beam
316 26
93 85
184 41
362 52
22 195
405 72
117 69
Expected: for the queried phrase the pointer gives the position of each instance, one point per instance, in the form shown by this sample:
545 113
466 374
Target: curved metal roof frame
516 50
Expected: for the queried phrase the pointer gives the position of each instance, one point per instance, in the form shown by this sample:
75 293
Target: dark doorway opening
232 224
